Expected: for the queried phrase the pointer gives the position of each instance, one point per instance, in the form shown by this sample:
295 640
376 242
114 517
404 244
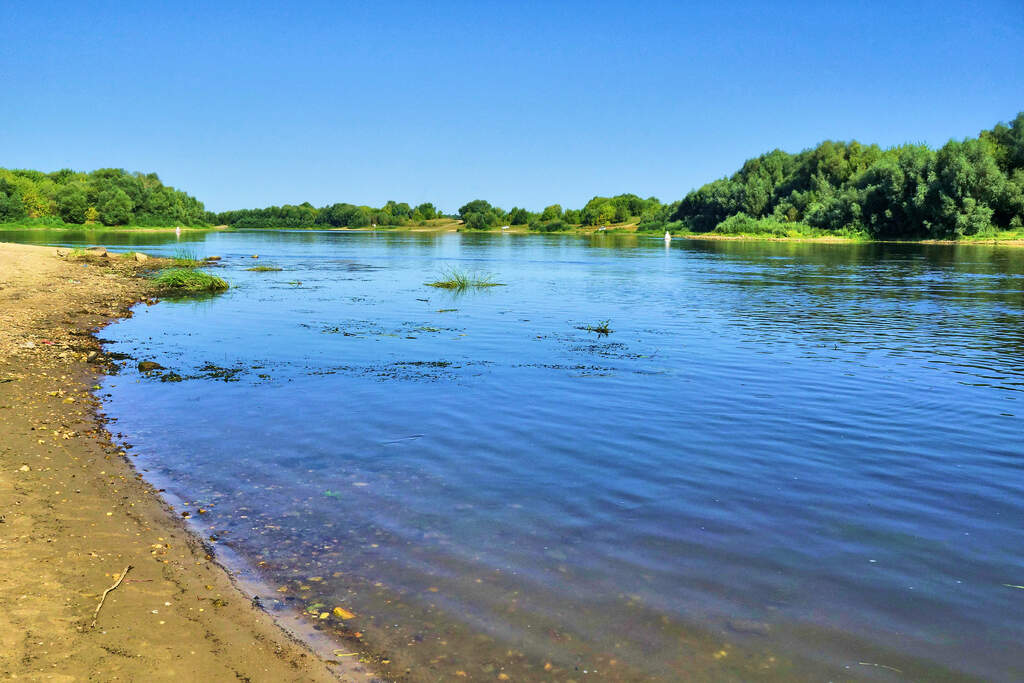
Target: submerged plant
600 327
265 269
460 280
187 280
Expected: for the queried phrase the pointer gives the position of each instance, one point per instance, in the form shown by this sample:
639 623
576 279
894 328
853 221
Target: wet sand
74 513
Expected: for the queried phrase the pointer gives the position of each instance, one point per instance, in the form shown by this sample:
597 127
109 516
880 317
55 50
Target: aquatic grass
265 269
189 281
461 280
185 257
600 328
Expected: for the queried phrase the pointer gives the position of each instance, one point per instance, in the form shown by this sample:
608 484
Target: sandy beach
74 513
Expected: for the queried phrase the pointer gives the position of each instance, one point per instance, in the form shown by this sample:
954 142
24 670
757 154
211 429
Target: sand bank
74 513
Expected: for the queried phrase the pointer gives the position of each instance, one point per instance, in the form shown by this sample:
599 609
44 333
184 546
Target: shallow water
786 461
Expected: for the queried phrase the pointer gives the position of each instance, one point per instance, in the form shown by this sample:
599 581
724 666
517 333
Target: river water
785 461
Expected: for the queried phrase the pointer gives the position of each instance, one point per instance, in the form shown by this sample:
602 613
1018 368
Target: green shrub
742 224
556 225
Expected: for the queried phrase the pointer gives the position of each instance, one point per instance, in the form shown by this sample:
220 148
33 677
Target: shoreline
108 228
520 230
75 512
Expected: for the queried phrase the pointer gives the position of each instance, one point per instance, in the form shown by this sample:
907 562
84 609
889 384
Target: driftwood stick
881 666
107 592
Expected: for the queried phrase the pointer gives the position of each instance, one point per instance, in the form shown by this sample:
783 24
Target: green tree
11 208
478 220
551 213
72 204
359 218
427 210
115 207
475 206
517 216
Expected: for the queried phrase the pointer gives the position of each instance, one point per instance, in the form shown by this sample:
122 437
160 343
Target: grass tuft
185 257
265 269
600 327
461 280
188 281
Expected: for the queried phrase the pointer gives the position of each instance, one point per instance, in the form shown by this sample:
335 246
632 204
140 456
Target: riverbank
1009 239
74 514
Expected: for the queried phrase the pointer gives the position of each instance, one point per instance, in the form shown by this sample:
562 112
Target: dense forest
110 196
973 187
969 187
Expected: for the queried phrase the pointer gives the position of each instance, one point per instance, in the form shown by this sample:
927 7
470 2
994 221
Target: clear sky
520 103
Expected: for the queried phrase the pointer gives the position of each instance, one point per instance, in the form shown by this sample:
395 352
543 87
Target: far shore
615 229
76 519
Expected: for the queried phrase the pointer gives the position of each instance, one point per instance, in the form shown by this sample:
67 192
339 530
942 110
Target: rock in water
148 365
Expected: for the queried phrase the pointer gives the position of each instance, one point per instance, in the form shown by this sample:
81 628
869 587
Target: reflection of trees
112 238
877 296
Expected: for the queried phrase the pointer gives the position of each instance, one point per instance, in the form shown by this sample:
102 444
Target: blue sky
531 103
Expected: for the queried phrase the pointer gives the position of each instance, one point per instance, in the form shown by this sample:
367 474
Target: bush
550 226
742 224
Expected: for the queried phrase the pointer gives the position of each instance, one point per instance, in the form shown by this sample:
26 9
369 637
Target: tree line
969 187
480 215
108 196
342 215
